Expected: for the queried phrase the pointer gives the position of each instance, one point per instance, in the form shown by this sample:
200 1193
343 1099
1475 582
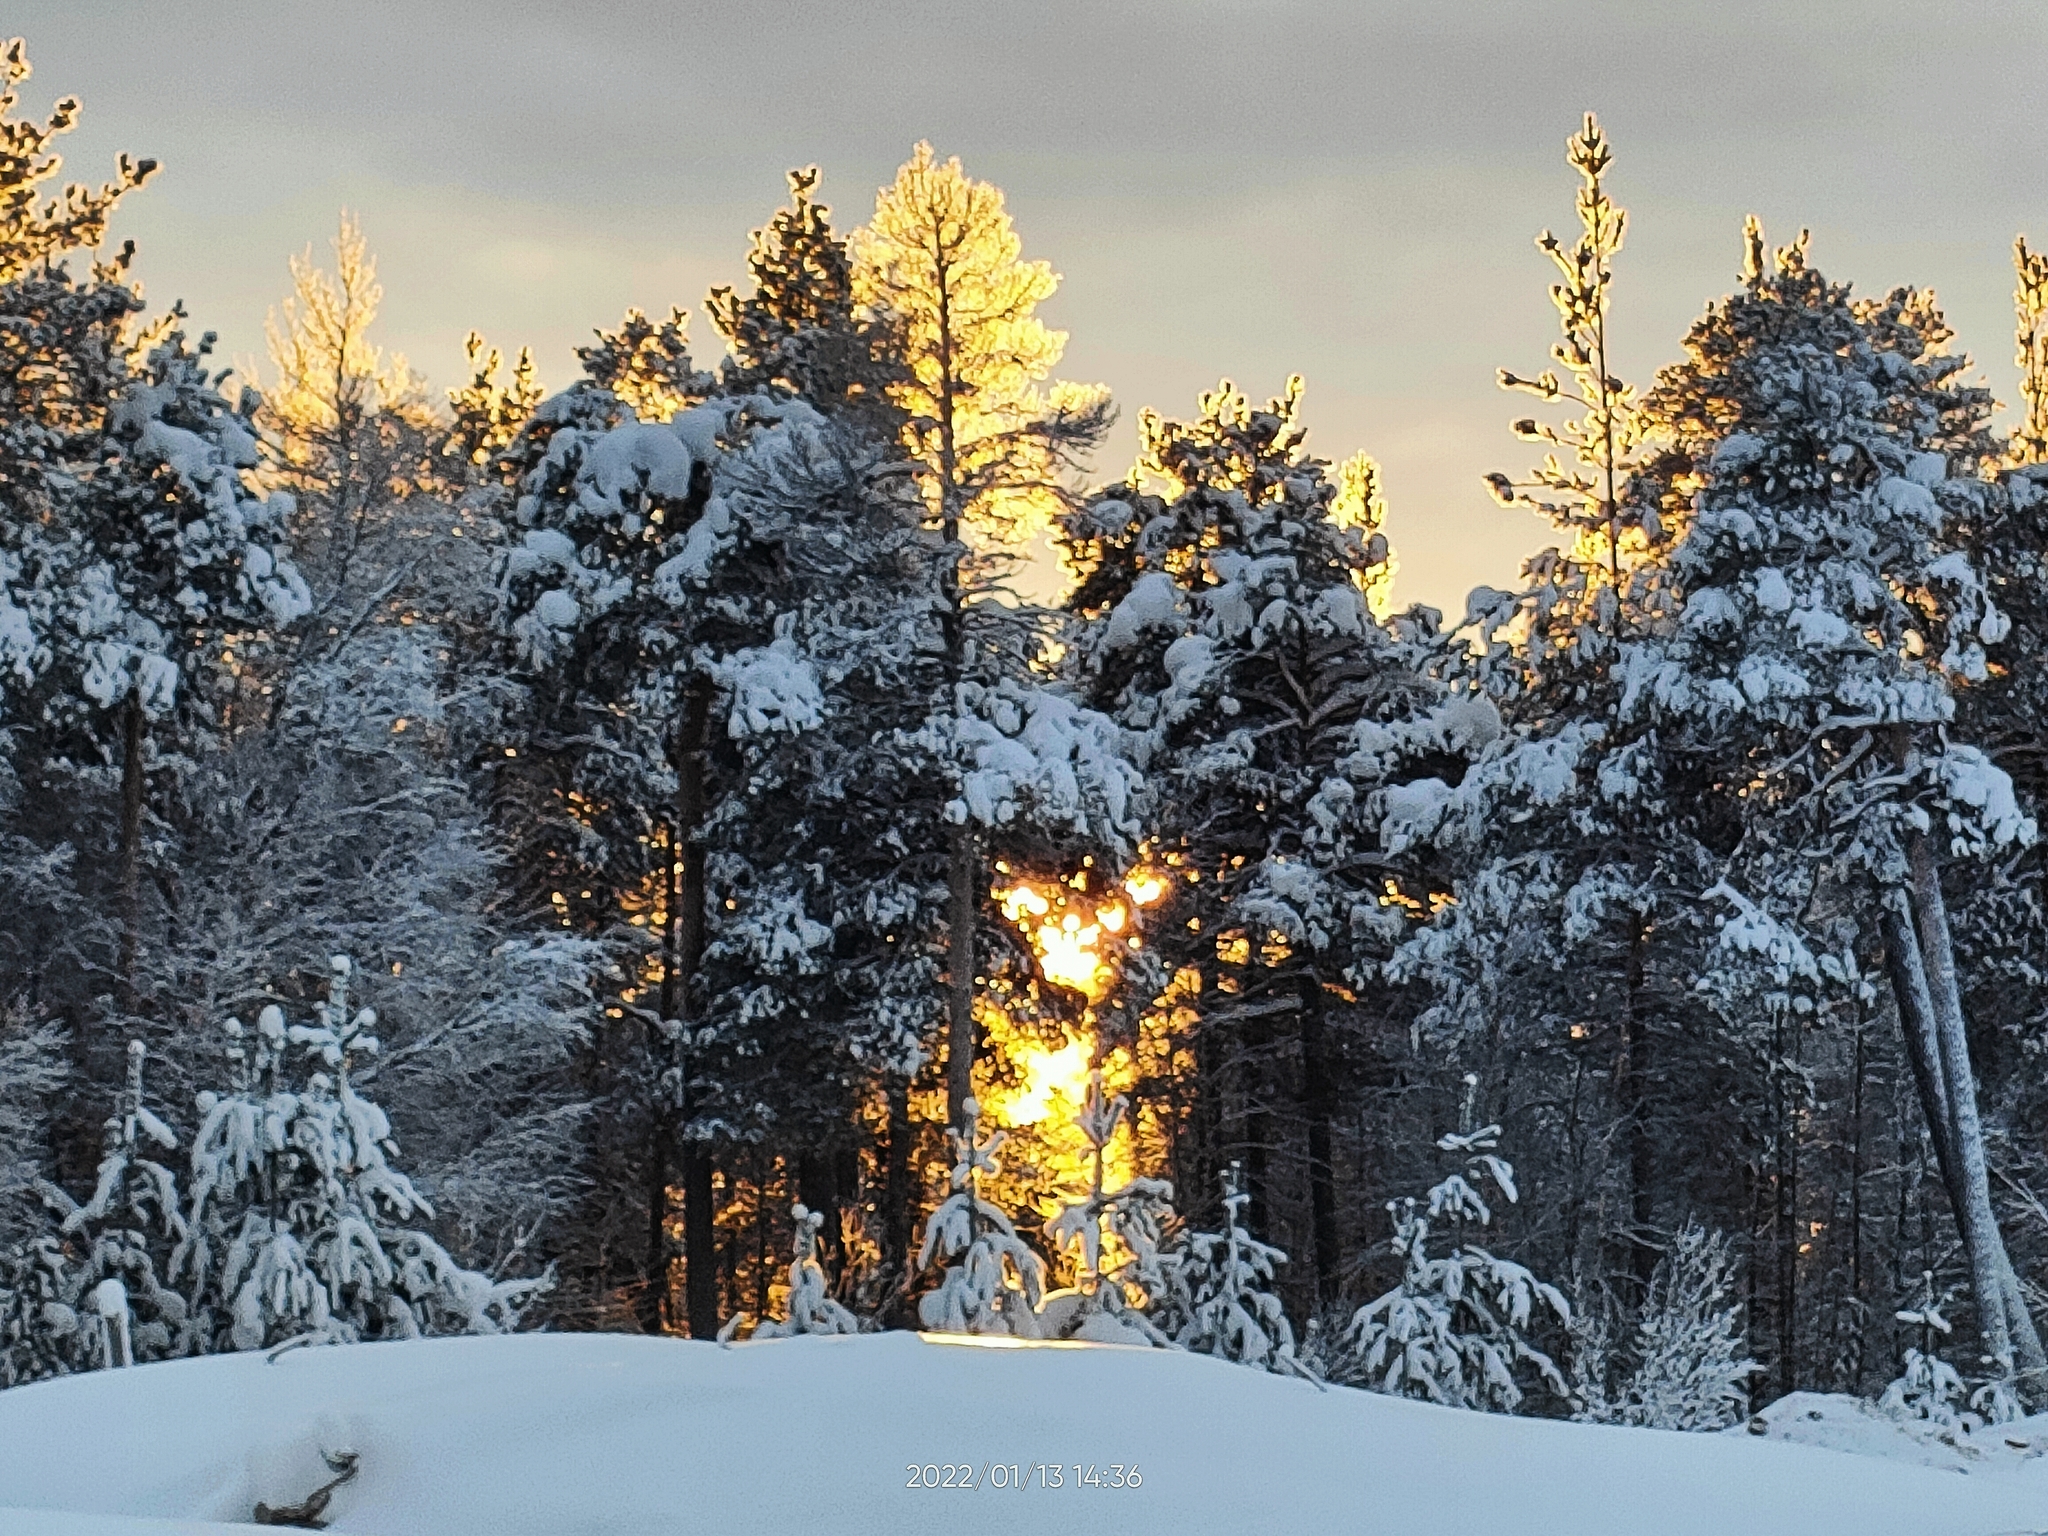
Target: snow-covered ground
553 1434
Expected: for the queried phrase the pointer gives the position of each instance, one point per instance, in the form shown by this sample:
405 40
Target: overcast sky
1342 188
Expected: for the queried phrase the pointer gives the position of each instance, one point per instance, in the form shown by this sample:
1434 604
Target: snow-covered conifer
938 268
127 1232
798 329
1458 1328
299 1221
1224 624
993 1280
1688 1361
1135 1214
1218 1298
1824 457
1927 1386
811 1308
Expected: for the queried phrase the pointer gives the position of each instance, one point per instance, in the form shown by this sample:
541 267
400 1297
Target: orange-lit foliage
1080 927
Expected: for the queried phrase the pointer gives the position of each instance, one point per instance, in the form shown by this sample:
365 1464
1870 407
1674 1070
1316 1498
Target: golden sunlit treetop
330 377
2030 307
1585 486
942 259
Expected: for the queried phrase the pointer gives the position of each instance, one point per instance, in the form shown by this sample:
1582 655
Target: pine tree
172 561
645 365
1456 1330
36 232
1576 843
1588 492
993 1281
798 329
1281 729
2030 307
938 266
488 414
1827 454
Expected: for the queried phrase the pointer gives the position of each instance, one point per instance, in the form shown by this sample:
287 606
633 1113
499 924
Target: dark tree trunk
1632 1076
963 912
1258 1121
763 1171
654 1295
1787 1218
896 1183
1318 1105
1856 1310
699 1214
133 788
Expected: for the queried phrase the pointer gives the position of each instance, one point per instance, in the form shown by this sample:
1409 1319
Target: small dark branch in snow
306 1515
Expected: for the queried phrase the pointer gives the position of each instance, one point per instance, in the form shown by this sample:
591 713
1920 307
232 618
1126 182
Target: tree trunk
1318 1094
700 1241
687 915
133 745
1857 1074
1257 1045
1630 1074
896 1182
763 1171
654 1294
1996 1286
1787 1214
963 910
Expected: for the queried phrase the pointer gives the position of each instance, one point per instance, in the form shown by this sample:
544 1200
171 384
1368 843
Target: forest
630 859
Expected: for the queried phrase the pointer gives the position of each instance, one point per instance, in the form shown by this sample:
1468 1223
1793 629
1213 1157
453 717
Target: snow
603 1434
1153 601
1836 1422
635 458
774 688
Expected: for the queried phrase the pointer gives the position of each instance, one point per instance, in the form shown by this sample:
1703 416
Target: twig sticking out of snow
306 1514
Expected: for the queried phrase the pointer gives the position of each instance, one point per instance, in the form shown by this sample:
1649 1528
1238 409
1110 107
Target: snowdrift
540 1435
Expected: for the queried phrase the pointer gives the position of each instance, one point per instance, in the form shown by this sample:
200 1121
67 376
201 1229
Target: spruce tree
811 1309
1219 1296
993 1281
125 1233
300 1220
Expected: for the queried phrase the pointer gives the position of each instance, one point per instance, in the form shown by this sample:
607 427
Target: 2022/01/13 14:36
1021 1475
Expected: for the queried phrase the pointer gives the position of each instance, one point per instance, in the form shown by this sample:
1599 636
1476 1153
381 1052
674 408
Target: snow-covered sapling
299 1219
811 1309
1689 1368
993 1281
116 1239
1454 1330
1218 1297
1135 1214
1929 1389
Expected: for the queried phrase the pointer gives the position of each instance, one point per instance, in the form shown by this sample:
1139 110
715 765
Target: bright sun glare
1069 930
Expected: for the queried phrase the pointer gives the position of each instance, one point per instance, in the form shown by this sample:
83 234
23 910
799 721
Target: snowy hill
546 1434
